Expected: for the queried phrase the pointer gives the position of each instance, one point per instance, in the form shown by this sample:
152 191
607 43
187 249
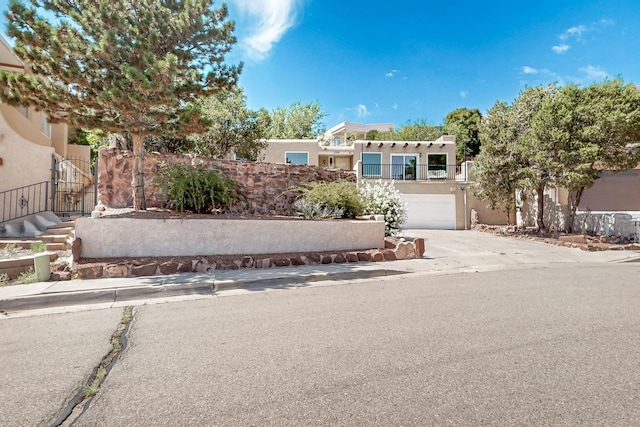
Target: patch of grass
90 391
4 279
27 277
38 247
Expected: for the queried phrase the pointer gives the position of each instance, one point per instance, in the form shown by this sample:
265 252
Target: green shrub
314 210
38 247
4 279
197 189
28 277
339 194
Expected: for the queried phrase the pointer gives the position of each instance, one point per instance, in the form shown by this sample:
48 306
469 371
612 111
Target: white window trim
416 155
362 162
446 166
45 126
286 154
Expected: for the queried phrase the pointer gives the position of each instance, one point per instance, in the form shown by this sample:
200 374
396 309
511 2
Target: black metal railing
409 172
24 201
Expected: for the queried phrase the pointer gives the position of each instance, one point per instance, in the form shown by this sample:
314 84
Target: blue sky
373 61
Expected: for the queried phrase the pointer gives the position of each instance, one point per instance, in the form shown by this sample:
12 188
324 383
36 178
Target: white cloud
560 49
269 21
463 94
577 32
362 111
529 70
593 73
573 32
394 106
392 73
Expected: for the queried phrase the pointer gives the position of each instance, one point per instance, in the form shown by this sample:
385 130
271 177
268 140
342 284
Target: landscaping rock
75 248
115 270
389 255
405 250
145 269
89 271
419 247
364 256
169 267
377 257
352 257
340 259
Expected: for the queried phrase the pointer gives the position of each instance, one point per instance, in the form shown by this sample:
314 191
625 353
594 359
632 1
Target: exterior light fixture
417 145
393 144
406 144
369 144
430 144
380 144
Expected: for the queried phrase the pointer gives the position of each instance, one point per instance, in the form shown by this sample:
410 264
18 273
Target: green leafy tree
588 129
132 67
418 130
497 165
233 128
94 138
297 122
464 123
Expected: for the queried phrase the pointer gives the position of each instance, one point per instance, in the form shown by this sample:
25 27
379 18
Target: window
371 164
404 167
24 111
336 140
45 126
437 166
293 158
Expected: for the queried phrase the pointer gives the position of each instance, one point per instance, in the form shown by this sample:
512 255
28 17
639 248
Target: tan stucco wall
277 148
619 192
23 163
130 237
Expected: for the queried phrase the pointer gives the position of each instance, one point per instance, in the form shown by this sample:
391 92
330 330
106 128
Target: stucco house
425 172
30 149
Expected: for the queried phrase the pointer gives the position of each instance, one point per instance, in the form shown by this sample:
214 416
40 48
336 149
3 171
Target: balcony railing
399 172
23 201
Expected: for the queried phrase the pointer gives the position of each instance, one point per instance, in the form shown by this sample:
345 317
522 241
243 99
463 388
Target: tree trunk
574 201
139 202
540 213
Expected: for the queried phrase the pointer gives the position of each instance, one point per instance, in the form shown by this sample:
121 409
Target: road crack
76 407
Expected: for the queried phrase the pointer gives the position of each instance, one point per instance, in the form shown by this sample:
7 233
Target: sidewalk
116 290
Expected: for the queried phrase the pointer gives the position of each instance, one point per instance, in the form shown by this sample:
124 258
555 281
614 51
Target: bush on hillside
196 189
340 194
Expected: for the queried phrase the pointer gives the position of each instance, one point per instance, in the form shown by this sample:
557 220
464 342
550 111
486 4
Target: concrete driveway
461 250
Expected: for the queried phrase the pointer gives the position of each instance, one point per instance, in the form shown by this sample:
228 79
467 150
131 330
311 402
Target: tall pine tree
127 66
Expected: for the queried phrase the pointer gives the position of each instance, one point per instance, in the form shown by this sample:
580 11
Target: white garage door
436 211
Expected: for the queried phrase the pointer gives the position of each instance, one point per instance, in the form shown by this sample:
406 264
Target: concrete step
63 224
56 246
60 231
54 238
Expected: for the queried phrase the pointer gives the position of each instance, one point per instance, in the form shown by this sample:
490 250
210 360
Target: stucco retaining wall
129 237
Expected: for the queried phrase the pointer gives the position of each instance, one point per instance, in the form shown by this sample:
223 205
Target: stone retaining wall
395 249
265 185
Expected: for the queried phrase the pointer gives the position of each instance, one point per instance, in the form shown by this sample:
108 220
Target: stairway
44 227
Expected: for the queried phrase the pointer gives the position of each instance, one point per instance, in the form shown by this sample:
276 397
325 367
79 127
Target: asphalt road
547 346
488 331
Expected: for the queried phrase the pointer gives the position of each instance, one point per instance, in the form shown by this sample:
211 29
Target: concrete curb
121 294
111 295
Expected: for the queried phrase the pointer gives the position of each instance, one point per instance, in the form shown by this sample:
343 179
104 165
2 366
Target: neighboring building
425 172
28 147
